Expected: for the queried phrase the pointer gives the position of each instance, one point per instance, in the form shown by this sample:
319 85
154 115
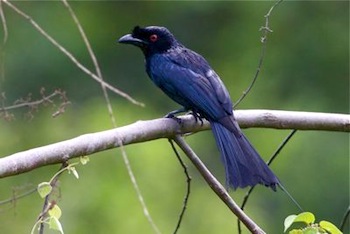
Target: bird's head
151 39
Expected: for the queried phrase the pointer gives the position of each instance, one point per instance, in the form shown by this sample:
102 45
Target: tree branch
142 131
217 187
293 120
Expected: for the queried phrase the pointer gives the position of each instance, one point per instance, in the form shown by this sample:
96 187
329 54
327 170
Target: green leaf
84 159
330 227
305 217
74 171
311 230
55 211
296 231
288 222
55 224
44 189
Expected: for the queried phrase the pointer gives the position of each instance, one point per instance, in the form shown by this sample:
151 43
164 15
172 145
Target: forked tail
243 165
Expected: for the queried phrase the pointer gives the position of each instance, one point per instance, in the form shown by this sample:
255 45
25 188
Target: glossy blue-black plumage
187 78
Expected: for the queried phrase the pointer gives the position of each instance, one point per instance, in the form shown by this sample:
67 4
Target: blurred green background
306 68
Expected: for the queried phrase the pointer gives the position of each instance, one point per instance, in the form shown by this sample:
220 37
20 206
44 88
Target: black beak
129 39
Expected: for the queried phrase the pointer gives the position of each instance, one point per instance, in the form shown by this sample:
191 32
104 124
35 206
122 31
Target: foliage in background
306 68
309 226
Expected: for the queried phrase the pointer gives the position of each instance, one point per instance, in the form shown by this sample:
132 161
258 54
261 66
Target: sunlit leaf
330 227
44 189
84 159
55 211
74 171
296 231
305 217
311 230
55 224
288 222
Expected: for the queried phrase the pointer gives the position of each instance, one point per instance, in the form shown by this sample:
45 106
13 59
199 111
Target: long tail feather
243 165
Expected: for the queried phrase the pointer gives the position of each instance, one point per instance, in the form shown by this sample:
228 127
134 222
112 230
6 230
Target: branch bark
217 187
142 131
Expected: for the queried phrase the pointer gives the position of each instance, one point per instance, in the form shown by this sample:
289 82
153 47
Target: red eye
153 38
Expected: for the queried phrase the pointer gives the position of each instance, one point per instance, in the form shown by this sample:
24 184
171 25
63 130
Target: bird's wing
220 90
192 88
196 63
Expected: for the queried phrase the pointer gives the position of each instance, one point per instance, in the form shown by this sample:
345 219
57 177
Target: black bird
187 78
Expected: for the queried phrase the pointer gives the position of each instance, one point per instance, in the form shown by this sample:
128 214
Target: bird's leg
174 112
197 117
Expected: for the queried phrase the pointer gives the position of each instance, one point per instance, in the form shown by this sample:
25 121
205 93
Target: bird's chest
159 69
167 77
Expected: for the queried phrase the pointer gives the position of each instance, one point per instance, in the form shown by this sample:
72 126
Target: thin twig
33 105
282 145
344 219
4 40
216 186
274 155
14 198
188 191
4 24
94 60
45 208
111 115
263 40
138 191
24 103
71 56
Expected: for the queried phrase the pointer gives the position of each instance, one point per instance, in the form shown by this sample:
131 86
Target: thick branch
217 187
142 131
294 120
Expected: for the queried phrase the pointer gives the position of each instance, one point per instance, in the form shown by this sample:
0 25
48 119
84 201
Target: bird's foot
172 116
197 117
173 113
